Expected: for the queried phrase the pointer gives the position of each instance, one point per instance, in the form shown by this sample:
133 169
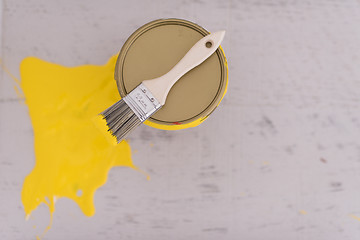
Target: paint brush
148 97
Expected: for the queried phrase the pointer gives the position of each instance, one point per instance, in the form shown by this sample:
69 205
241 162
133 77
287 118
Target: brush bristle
120 119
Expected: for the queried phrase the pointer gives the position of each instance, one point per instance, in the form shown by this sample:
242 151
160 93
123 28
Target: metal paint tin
152 50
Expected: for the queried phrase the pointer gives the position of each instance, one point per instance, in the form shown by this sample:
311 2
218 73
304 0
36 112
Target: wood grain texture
279 159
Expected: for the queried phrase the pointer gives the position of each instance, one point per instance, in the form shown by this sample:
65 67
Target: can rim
173 21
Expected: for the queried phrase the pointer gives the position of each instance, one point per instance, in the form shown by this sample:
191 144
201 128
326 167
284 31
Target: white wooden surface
284 142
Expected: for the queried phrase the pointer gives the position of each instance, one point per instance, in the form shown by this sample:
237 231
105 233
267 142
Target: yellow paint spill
73 151
303 212
355 217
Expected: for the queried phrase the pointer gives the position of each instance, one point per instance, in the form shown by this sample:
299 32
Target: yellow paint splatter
355 217
73 152
16 81
303 212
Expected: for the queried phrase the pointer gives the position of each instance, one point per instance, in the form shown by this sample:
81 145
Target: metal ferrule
142 102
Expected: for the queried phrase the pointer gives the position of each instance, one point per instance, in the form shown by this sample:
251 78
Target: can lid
153 50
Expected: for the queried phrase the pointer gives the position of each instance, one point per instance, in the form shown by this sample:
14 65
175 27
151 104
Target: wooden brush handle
203 49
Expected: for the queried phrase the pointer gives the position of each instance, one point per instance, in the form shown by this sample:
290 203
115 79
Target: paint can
151 51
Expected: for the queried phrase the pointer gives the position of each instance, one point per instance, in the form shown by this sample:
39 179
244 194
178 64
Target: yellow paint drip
73 151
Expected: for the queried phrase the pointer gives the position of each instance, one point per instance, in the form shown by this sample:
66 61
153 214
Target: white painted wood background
279 159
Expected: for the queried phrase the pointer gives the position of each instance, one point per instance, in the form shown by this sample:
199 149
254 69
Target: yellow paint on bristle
101 125
73 151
